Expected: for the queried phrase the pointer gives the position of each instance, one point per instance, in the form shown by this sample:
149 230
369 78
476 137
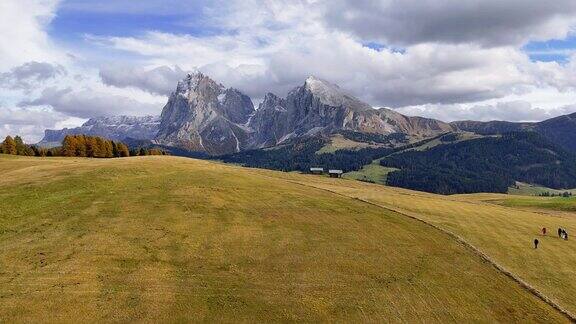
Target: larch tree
9 146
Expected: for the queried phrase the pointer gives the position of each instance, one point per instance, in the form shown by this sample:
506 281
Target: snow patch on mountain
329 94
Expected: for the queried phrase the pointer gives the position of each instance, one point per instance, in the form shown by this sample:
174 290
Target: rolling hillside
490 164
174 239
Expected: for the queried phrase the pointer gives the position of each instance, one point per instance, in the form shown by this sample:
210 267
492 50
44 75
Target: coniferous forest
490 164
300 155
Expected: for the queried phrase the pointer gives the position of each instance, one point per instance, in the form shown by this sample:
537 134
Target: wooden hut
335 173
317 170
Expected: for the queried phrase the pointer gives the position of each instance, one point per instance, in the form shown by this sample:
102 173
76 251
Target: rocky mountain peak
197 85
202 115
329 94
332 95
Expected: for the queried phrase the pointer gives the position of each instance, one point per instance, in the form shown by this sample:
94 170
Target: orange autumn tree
93 146
9 146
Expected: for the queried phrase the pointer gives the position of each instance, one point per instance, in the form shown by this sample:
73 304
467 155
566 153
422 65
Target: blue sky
551 50
466 59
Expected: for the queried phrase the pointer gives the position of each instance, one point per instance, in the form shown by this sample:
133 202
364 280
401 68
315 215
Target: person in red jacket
543 230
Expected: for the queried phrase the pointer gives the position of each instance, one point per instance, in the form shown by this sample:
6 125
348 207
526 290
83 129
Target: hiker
560 232
536 243
543 230
565 235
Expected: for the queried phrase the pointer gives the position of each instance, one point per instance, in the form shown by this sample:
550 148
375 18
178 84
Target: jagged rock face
236 106
269 122
319 107
115 128
202 115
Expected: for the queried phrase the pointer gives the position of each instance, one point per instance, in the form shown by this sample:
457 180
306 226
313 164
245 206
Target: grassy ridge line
468 245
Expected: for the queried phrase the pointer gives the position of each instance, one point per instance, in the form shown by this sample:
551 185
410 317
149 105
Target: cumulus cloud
160 80
427 73
485 22
30 74
453 59
29 123
23 33
87 103
519 111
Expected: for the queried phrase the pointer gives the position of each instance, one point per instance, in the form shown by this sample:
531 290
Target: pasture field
504 233
553 203
524 189
339 142
373 172
174 239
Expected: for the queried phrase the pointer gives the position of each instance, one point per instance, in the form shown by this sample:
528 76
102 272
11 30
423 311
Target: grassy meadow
372 172
524 189
504 233
552 203
172 239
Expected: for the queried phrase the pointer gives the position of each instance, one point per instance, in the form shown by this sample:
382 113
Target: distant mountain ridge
560 130
115 128
204 116
488 164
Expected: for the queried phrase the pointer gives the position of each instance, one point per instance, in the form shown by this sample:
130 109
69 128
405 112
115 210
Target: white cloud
161 80
29 75
23 32
517 111
87 103
259 59
461 59
29 123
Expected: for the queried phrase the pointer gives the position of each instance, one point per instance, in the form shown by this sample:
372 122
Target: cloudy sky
63 61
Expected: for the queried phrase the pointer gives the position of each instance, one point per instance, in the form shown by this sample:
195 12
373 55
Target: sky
64 61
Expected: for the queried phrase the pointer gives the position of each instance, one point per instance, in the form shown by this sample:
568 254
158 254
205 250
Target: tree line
77 146
301 154
565 194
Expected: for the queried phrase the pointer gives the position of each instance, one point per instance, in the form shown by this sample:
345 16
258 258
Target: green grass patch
373 172
553 203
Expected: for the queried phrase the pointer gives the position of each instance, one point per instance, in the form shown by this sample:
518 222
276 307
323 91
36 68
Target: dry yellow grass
503 233
172 239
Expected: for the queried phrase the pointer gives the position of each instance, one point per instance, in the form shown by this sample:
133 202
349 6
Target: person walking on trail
559 232
543 230
565 235
536 243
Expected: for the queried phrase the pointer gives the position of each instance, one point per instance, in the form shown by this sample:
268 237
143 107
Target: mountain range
116 128
320 124
203 116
